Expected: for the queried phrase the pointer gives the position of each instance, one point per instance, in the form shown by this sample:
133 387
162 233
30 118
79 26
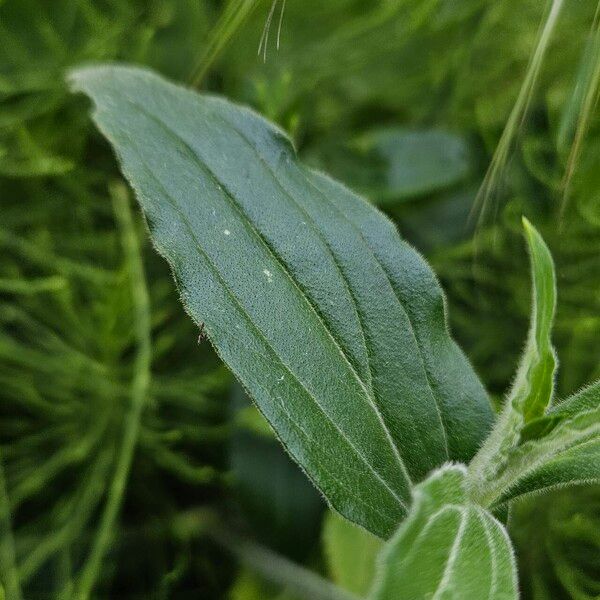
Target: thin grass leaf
481 207
139 386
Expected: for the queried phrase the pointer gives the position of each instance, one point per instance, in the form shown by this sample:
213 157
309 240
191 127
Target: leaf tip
533 237
76 77
529 229
83 77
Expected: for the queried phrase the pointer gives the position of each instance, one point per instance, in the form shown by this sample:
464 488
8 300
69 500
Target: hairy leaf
586 399
568 452
447 548
334 325
531 450
534 383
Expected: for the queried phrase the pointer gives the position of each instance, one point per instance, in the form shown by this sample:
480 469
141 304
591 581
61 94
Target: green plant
337 329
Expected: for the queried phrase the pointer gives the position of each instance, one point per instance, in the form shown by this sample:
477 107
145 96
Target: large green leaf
334 325
533 388
447 548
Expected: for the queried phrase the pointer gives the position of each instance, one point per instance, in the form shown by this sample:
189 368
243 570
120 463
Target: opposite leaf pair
337 329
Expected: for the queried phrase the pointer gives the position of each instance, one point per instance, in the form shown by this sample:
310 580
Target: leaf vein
258 332
252 227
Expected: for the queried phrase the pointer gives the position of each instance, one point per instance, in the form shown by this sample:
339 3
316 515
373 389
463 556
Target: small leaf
586 399
569 453
533 388
539 428
334 325
447 548
351 553
534 385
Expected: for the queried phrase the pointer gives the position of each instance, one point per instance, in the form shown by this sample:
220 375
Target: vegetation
132 465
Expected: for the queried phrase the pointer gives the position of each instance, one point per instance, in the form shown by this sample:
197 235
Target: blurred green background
405 101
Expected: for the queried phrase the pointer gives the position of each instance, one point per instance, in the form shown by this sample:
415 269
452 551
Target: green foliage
75 381
558 546
381 350
447 547
562 447
345 73
41 40
248 216
351 554
533 449
534 383
392 165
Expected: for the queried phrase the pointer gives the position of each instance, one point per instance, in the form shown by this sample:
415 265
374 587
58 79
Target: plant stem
278 569
230 21
138 392
9 577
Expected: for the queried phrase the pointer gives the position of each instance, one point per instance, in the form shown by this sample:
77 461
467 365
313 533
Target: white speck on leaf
226 232
268 274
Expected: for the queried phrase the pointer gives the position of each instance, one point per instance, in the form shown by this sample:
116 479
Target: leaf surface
565 452
447 548
533 388
334 325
